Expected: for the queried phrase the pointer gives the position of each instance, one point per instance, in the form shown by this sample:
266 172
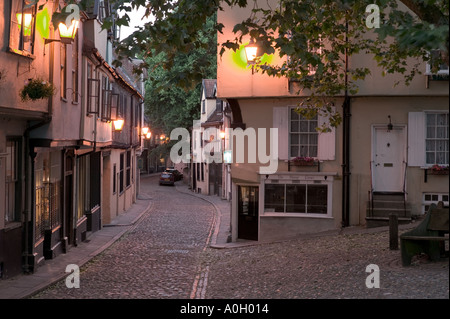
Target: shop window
47 192
12 190
297 198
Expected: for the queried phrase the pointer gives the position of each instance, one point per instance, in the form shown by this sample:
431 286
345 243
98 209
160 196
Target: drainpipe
346 146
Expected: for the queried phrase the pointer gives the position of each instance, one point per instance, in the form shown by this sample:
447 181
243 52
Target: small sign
228 157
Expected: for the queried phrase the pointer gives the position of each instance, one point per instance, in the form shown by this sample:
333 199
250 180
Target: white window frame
435 138
440 72
291 156
289 178
326 143
417 135
427 203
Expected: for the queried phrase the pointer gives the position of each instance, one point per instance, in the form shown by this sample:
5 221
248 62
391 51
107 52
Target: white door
388 159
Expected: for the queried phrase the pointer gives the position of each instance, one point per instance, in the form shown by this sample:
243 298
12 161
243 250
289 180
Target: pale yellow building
388 168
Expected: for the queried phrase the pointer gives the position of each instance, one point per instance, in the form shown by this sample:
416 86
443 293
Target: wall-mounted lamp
251 53
390 126
66 33
118 124
148 135
222 135
145 130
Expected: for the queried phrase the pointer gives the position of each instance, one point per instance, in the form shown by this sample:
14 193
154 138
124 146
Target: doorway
248 216
389 151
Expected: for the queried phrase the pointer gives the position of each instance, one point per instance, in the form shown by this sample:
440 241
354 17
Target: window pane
313 139
294 139
440 158
304 151
431 119
294 151
274 198
430 145
294 114
317 199
312 151
296 198
294 126
430 158
312 126
304 139
431 132
303 126
442 119
441 132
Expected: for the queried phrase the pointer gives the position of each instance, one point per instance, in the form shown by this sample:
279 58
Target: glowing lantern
118 125
67 34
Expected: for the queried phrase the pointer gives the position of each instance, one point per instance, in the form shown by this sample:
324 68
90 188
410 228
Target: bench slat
424 238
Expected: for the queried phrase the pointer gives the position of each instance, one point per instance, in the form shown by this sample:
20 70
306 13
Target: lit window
22 28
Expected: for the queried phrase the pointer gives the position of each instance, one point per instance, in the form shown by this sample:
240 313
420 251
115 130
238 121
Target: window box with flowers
36 89
303 161
439 170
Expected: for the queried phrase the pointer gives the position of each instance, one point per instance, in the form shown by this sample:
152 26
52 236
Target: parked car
166 178
178 175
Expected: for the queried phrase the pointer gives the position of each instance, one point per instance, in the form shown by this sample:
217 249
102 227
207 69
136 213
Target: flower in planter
36 89
439 168
303 159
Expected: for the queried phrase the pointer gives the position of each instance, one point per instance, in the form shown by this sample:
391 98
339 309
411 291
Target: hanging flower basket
36 89
303 161
439 170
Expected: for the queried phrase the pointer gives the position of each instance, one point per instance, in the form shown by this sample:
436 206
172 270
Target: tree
173 99
316 35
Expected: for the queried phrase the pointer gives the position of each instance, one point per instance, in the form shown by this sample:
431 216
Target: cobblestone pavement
331 267
166 256
158 258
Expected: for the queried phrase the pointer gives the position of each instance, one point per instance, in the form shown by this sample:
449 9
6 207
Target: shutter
326 142
416 139
281 122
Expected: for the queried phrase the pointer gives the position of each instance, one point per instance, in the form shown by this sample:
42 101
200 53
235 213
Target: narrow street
166 255
158 258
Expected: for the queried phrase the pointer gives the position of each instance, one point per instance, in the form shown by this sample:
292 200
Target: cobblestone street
157 258
166 255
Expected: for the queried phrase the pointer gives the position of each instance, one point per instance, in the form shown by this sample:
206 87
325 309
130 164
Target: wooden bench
428 237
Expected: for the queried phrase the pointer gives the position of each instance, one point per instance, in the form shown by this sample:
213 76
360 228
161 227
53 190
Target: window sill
297 215
11 226
24 54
